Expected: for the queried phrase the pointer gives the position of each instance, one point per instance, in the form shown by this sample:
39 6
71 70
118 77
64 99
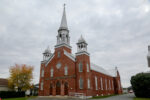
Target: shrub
141 84
11 94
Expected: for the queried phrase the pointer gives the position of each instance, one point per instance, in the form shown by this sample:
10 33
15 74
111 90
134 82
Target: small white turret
81 45
47 53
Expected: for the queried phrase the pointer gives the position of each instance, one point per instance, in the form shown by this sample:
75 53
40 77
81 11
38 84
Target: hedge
11 94
141 85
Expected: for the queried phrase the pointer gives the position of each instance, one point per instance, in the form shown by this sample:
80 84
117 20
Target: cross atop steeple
63 24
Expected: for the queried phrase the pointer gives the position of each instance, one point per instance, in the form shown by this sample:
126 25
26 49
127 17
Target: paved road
55 98
119 97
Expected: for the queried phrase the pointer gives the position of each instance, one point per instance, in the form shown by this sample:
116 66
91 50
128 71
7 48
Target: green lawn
98 97
141 98
24 98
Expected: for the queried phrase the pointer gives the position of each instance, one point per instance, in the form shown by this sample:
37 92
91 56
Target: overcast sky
117 32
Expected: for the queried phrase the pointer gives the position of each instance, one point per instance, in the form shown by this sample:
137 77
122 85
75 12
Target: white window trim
87 67
42 73
58 54
66 70
52 72
96 85
80 67
81 83
42 84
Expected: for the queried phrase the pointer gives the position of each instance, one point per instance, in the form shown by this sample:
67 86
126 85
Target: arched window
88 83
96 87
81 83
60 35
87 67
42 85
80 67
66 70
52 72
42 73
58 54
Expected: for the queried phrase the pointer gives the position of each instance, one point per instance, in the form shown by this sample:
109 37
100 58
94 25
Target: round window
58 65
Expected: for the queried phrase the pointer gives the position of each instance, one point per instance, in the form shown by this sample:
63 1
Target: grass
141 98
22 98
99 97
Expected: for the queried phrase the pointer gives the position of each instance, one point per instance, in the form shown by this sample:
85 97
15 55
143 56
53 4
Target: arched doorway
66 88
51 89
58 88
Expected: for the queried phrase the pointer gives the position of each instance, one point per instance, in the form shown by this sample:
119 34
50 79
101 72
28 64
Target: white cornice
82 52
69 55
63 44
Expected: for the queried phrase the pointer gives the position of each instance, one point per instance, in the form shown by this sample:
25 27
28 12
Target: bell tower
82 46
63 38
83 68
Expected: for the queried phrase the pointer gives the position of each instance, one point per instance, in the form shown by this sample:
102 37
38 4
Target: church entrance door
66 88
58 88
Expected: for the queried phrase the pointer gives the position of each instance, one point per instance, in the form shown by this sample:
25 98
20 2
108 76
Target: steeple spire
63 24
63 38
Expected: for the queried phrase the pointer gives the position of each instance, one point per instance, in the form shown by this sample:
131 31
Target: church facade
63 73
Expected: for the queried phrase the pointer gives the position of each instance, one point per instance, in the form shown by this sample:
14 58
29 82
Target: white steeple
63 24
63 38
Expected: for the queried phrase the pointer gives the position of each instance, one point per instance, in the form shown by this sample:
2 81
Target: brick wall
74 75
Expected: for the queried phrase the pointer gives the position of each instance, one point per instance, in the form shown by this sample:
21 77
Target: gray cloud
117 32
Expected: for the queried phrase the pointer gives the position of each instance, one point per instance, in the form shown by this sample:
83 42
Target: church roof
97 68
71 56
94 67
63 24
50 58
112 72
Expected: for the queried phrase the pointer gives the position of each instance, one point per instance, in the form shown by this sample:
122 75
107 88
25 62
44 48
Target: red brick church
63 73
